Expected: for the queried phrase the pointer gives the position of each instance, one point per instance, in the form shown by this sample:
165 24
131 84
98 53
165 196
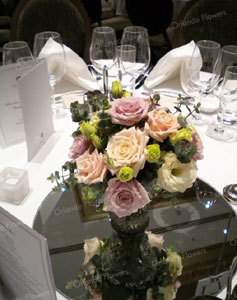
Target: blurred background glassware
118 64
205 194
138 36
228 107
128 64
204 73
103 48
56 61
12 51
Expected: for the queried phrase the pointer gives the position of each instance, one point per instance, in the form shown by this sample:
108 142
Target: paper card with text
25 268
11 120
34 92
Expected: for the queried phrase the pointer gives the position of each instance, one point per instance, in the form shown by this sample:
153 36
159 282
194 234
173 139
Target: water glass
128 65
12 51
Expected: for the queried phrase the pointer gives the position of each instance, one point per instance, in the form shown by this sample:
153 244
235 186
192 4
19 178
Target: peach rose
127 148
161 124
91 167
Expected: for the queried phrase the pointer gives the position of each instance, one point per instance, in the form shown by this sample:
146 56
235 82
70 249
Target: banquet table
218 168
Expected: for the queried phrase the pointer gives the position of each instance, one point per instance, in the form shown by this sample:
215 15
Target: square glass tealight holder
14 185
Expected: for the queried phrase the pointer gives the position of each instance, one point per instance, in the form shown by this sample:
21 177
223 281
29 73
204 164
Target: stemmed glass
103 49
204 73
127 58
138 36
228 103
48 44
12 51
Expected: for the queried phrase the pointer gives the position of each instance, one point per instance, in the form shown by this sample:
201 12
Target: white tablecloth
218 167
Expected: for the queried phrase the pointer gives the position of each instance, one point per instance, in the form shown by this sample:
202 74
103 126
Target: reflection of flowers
91 248
161 124
91 167
175 176
155 240
175 264
128 148
129 111
125 198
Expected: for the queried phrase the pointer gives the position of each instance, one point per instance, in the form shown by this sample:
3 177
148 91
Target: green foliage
185 150
80 112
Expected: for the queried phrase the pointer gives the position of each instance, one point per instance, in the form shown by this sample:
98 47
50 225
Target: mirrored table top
200 225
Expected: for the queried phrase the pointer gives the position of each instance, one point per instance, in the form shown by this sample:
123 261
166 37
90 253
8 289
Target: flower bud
126 94
87 129
182 134
96 140
153 153
117 89
125 173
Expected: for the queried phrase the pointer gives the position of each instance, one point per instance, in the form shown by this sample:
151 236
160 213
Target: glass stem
219 128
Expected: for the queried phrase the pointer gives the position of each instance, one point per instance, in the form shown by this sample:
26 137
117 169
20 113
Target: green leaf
184 150
182 122
109 160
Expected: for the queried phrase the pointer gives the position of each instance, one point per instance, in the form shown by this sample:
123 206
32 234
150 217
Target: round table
199 224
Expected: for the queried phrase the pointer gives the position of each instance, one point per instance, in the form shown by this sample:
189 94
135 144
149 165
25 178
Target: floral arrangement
129 152
125 154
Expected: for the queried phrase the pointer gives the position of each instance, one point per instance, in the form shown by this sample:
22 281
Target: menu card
25 269
34 91
11 120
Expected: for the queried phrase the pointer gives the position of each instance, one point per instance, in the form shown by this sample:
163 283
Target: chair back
68 17
206 20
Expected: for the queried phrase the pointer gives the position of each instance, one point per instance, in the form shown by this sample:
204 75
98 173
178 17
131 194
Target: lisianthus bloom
161 124
129 111
127 148
175 264
91 167
96 140
87 129
182 134
198 143
169 291
173 176
117 89
153 153
125 174
155 240
125 198
91 248
79 146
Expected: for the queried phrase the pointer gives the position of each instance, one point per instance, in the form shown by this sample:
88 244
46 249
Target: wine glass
228 103
138 36
12 51
103 48
128 62
204 73
49 45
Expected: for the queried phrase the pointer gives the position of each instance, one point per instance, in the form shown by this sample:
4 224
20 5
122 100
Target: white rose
128 148
155 240
91 248
173 176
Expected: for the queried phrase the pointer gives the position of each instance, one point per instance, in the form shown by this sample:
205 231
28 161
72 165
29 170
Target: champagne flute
49 45
138 36
12 51
228 103
204 73
103 49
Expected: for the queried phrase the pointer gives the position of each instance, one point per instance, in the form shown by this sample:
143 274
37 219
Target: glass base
198 119
58 111
220 134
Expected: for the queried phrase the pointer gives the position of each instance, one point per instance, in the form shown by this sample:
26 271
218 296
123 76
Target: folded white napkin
76 71
171 73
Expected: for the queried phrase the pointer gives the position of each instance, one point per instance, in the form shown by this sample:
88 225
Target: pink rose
79 146
125 198
198 143
129 111
91 167
161 124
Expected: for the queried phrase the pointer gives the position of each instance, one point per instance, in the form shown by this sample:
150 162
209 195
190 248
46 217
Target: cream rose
91 248
155 240
161 124
91 167
127 148
174 176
